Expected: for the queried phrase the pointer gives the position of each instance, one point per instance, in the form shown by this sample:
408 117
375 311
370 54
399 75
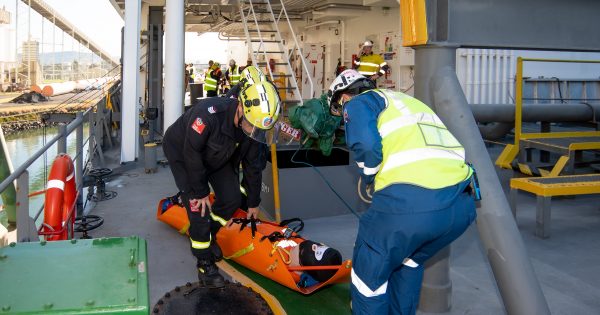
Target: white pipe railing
297 46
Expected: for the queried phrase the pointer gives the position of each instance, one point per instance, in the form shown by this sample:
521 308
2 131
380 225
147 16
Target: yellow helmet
261 105
252 75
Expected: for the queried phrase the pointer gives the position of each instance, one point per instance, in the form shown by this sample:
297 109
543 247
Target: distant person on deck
211 81
370 65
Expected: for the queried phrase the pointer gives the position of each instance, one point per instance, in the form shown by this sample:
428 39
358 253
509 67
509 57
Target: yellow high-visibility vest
234 75
417 147
369 65
210 84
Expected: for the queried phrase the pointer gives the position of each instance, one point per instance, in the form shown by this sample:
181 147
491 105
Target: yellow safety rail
510 151
275 171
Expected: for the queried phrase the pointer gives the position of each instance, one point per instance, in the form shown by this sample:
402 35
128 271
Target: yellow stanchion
275 172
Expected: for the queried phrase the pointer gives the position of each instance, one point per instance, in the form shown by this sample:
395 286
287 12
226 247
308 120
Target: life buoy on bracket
61 195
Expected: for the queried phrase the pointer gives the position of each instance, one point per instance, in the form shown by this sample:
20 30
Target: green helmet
252 75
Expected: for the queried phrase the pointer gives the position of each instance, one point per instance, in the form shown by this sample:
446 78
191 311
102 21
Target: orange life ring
61 194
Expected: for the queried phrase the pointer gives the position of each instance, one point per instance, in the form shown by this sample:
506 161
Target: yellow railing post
275 171
518 101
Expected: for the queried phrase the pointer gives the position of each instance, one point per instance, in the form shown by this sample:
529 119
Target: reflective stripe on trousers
200 245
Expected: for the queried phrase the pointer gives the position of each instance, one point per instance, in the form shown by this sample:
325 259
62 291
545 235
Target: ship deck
566 264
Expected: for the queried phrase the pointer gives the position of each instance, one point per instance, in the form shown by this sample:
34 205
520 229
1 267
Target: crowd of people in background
215 81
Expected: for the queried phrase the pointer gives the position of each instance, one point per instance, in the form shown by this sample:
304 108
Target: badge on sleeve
346 117
198 126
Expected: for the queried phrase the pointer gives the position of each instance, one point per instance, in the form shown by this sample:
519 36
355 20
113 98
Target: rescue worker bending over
206 145
211 80
369 64
421 200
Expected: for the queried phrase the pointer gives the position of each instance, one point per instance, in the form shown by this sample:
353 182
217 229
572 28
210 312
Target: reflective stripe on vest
417 147
234 76
369 65
210 84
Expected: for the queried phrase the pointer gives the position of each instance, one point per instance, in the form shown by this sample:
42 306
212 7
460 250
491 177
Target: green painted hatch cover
105 275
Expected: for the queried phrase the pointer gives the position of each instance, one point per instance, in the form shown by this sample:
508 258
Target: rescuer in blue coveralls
422 200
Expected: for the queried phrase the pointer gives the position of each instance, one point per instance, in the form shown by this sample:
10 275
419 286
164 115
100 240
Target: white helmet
368 43
348 79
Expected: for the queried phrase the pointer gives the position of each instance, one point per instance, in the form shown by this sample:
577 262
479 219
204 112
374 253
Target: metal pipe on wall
495 130
476 76
503 90
535 112
469 76
436 83
497 82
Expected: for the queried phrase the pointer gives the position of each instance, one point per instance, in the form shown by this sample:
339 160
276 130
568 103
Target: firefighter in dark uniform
206 145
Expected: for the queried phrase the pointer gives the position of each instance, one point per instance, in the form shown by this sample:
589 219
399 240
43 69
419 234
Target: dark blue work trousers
404 227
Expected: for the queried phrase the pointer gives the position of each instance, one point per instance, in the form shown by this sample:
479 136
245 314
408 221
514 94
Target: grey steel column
26 231
62 142
155 67
79 163
91 137
436 292
436 83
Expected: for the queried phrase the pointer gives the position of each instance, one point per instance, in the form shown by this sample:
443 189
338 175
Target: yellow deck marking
242 279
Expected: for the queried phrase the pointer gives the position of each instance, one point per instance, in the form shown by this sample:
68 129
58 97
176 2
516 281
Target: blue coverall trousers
404 227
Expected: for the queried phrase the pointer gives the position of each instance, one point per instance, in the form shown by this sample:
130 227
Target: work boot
209 276
215 249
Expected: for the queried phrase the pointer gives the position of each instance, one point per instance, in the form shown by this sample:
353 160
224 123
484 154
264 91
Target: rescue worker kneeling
206 145
422 199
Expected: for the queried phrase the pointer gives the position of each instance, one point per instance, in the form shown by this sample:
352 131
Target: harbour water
22 145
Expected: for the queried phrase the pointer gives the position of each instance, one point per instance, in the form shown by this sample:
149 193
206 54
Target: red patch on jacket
198 126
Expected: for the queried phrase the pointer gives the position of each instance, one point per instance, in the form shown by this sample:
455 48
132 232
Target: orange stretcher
259 253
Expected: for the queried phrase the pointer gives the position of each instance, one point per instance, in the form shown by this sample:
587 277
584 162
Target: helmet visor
266 136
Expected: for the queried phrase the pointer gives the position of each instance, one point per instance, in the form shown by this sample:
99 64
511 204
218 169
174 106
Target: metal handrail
70 127
297 46
262 45
519 134
511 151
20 175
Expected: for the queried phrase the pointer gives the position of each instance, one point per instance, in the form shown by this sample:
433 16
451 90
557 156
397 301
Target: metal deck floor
567 264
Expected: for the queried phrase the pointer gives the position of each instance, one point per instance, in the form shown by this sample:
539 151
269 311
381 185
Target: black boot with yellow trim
208 274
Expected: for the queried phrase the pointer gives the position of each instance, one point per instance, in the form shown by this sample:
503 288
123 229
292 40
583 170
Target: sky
102 24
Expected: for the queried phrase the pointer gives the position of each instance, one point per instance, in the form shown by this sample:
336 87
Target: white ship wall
322 44
487 76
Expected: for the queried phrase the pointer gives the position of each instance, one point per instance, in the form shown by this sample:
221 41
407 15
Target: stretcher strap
242 251
281 252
